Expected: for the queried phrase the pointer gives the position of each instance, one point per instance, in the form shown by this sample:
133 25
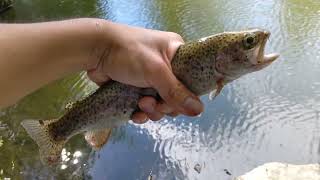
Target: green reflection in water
19 153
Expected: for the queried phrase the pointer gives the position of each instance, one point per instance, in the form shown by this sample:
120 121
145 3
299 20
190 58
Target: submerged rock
283 171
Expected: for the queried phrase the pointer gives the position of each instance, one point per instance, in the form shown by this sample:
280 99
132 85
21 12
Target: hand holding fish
142 73
33 55
142 58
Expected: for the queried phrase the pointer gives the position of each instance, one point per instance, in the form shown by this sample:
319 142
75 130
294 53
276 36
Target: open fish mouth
265 60
269 58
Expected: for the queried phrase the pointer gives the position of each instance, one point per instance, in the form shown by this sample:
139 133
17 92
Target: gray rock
283 171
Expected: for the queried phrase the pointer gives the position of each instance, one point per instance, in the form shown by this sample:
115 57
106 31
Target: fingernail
193 106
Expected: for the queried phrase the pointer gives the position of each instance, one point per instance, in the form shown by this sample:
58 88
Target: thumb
97 77
175 94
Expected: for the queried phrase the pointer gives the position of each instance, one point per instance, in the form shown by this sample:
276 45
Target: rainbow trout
203 66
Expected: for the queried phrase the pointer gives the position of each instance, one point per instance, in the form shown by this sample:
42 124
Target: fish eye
249 41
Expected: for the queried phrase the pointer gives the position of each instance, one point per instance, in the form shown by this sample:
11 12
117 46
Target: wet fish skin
111 105
202 66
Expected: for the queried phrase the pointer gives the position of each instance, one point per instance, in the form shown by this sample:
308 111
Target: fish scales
119 101
203 66
112 100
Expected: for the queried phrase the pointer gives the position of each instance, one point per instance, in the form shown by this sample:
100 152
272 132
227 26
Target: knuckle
175 36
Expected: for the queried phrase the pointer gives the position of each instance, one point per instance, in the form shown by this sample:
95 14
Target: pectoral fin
216 92
97 138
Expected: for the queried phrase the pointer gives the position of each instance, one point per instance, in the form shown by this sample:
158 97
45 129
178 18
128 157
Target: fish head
242 52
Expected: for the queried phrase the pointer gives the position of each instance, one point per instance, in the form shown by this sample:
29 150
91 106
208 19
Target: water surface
271 115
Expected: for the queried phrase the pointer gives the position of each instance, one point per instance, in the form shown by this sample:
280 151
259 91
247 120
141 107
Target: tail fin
50 150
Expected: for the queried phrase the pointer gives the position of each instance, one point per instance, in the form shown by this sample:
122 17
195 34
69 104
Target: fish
95 138
203 66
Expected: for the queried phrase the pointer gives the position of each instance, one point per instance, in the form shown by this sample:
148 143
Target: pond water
271 115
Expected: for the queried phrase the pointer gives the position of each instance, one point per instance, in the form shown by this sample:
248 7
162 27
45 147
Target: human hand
141 57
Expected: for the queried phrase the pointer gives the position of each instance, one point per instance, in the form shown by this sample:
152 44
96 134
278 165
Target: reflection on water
272 115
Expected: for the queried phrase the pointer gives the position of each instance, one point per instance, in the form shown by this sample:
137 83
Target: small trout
203 66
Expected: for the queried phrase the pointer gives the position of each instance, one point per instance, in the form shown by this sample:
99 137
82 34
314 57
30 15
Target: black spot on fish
41 122
55 136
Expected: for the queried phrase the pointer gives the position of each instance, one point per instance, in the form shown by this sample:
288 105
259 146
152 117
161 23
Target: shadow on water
272 115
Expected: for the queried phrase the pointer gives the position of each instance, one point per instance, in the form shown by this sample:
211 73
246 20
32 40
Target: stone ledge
283 171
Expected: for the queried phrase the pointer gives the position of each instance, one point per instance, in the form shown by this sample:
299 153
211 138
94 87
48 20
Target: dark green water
272 115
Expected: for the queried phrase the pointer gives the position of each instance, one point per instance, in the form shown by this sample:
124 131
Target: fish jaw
267 60
262 59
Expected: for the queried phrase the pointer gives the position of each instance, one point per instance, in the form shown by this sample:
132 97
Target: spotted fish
203 66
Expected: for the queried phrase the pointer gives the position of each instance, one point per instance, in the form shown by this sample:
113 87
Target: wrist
108 35
98 43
